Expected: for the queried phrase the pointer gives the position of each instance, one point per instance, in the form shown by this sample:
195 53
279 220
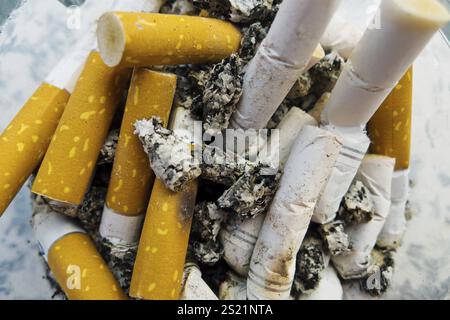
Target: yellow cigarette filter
146 39
390 127
158 270
80 270
151 94
26 139
69 163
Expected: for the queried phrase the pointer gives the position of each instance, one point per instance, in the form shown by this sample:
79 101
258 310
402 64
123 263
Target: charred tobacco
357 205
335 238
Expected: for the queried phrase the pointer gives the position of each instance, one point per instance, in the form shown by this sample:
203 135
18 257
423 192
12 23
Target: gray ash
215 275
379 277
108 150
300 90
335 238
120 260
252 36
171 158
178 7
252 192
309 265
221 167
279 115
204 245
90 211
325 73
357 205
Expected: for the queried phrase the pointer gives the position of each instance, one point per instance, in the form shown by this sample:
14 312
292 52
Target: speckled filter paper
69 164
390 127
74 256
159 265
161 39
26 139
151 94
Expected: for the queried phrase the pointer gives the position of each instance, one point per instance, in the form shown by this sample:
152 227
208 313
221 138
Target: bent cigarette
140 40
272 266
194 287
329 288
151 94
239 236
77 266
376 174
160 260
370 74
341 36
355 145
26 139
69 163
280 60
233 288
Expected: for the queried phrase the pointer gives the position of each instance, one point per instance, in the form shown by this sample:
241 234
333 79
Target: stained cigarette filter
69 164
390 127
329 288
151 94
73 260
382 57
160 260
146 39
194 287
376 174
280 60
272 266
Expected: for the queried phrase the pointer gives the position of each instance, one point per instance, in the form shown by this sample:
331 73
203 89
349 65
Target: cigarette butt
151 94
376 174
390 127
69 163
371 72
329 288
146 39
26 139
280 60
355 145
194 287
77 266
272 266
233 288
395 226
341 36
159 265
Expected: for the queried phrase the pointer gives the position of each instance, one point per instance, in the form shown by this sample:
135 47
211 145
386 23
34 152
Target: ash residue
90 211
325 74
215 275
379 276
66 209
171 158
252 192
178 7
108 150
357 206
204 244
335 238
120 259
309 266
279 115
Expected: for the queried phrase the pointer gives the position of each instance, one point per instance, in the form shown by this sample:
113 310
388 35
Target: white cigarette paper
355 145
233 288
120 229
376 174
329 288
382 57
395 226
280 60
272 266
341 36
238 237
194 287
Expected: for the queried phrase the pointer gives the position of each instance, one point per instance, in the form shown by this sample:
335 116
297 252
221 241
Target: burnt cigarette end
91 209
335 238
357 205
171 158
379 276
108 150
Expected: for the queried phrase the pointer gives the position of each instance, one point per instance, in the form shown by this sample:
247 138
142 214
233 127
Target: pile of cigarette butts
140 188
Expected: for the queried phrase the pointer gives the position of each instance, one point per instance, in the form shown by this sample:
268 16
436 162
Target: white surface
32 44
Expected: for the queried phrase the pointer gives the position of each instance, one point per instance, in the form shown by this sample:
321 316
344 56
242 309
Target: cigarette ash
108 150
171 158
90 211
279 115
325 73
204 245
239 11
252 193
215 275
223 167
66 209
309 265
335 239
379 276
357 205
179 7
120 259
